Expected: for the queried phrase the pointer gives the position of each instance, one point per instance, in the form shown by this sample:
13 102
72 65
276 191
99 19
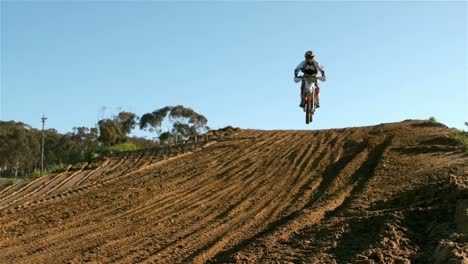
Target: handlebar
300 78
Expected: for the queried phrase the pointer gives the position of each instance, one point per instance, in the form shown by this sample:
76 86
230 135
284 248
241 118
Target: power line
42 150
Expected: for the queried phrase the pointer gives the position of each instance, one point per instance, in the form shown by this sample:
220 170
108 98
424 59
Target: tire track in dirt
50 199
127 166
309 184
45 189
302 162
81 189
161 159
95 171
364 173
122 166
339 199
241 204
39 192
119 162
355 184
63 182
284 227
94 216
261 205
109 163
18 188
182 181
257 218
210 188
37 186
5 191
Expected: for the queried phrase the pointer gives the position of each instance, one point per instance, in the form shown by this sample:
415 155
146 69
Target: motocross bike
310 95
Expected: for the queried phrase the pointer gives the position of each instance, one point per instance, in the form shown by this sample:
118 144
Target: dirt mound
224 132
392 193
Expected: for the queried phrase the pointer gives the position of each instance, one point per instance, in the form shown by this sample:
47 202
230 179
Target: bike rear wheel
310 105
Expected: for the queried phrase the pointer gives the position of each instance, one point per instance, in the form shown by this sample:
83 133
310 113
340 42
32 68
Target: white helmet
297 79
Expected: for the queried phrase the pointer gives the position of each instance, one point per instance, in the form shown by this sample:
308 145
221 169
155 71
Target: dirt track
384 194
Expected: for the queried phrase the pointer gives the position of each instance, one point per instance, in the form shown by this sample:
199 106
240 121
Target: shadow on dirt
351 150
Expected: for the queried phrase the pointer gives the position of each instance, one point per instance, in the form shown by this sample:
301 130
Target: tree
127 120
20 144
85 138
165 138
115 130
142 142
187 122
153 121
110 132
19 148
181 122
182 130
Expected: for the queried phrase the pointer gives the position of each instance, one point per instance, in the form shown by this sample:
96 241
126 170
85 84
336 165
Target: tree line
20 144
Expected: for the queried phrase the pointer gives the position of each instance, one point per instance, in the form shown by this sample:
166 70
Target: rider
310 68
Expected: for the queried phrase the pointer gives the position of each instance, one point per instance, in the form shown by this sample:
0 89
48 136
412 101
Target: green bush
54 169
123 148
8 183
432 119
11 182
463 137
119 148
36 174
57 168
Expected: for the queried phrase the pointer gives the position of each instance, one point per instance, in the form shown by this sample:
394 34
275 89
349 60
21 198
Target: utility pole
42 150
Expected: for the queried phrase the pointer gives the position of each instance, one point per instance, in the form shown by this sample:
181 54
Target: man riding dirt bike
309 67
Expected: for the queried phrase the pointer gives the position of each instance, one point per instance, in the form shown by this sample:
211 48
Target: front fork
317 92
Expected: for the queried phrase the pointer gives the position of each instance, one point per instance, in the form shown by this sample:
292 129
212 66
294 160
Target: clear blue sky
233 61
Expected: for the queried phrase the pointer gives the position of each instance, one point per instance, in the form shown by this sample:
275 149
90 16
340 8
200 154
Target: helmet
309 54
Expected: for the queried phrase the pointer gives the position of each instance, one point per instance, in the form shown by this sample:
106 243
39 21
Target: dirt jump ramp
392 193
